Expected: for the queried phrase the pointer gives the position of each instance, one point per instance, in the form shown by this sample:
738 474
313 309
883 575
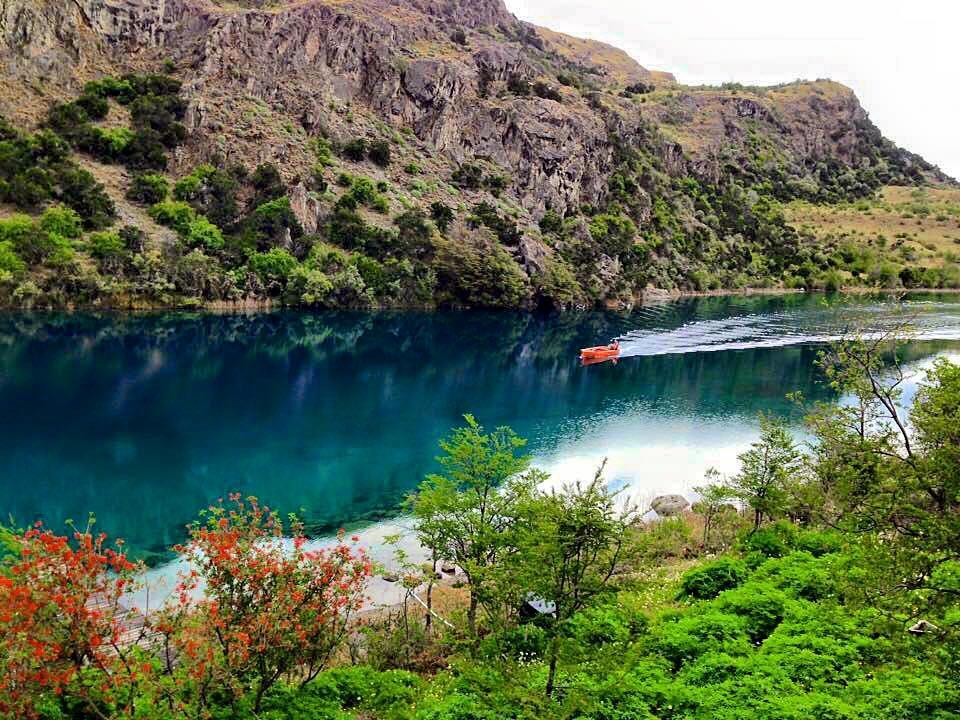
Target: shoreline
649 298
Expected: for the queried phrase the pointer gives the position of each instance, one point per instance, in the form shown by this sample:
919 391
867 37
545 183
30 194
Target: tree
892 476
767 471
60 617
468 513
569 548
714 501
271 608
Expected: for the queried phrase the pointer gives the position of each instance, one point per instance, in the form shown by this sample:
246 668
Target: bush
474 270
275 265
107 247
81 191
687 637
95 106
201 233
148 189
380 153
710 579
269 224
762 605
468 176
145 151
63 221
442 215
10 262
356 150
173 214
267 183
26 238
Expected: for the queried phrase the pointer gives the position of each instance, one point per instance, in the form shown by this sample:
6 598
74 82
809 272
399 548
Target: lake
145 419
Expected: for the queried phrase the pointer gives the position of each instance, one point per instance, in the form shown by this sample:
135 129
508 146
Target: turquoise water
145 419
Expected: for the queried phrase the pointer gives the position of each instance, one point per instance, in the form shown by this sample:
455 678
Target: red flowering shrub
60 614
270 609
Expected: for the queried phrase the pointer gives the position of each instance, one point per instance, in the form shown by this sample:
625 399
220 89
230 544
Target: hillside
411 152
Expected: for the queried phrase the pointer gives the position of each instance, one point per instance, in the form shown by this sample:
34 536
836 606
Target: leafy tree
108 248
81 191
414 234
10 263
468 513
270 609
274 266
63 221
768 470
473 269
569 547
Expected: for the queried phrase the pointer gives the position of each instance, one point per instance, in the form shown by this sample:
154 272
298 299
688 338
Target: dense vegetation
817 583
228 233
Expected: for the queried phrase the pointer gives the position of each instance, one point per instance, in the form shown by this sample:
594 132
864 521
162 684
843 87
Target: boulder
669 505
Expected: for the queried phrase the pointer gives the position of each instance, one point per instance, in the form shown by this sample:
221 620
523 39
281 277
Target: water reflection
145 419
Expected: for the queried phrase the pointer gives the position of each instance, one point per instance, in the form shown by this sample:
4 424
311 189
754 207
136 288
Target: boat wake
926 321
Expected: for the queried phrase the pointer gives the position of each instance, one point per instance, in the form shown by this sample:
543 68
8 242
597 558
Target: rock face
669 505
555 117
396 61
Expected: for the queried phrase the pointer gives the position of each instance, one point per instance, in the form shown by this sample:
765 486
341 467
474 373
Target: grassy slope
923 220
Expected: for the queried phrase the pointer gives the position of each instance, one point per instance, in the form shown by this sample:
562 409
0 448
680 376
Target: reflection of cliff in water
144 419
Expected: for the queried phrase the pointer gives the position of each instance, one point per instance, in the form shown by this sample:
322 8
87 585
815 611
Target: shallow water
145 419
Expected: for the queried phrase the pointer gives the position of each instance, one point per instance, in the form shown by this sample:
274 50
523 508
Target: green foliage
356 150
442 215
710 579
62 221
475 270
273 266
10 263
148 189
468 512
173 214
201 233
380 153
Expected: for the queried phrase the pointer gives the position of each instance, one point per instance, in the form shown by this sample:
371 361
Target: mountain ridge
560 126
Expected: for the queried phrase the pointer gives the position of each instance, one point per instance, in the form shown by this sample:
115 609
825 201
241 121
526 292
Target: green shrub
148 188
380 153
109 249
356 150
63 221
81 191
710 579
10 262
26 238
442 215
173 214
275 265
201 233
468 176
473 269
687 637
763 607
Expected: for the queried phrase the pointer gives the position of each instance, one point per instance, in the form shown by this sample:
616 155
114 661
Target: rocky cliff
563 122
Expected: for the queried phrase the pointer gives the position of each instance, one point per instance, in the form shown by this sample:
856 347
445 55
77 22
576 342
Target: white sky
902 59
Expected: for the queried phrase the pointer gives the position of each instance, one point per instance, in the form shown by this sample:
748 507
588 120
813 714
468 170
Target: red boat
601 352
